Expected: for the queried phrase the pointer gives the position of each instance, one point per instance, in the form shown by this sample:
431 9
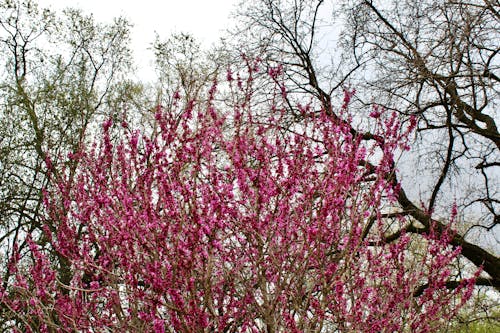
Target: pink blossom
200 228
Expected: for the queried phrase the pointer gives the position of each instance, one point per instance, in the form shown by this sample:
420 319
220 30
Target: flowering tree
225 222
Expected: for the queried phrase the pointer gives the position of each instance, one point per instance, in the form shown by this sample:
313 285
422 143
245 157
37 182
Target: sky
205 19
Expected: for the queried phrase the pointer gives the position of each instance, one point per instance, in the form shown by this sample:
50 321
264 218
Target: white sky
205 19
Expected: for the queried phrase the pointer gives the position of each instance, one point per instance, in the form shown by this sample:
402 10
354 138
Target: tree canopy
327 167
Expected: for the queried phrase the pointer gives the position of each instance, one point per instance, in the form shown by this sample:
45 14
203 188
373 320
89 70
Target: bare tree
436 60
294 36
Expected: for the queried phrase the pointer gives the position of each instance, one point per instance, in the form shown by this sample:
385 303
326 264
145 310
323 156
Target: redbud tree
222 221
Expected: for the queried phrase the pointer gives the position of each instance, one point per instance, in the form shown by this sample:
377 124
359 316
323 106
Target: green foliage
485 326
480 317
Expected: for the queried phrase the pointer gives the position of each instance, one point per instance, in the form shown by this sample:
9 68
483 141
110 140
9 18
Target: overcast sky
203 18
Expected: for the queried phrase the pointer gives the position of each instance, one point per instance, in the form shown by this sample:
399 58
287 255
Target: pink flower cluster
223 223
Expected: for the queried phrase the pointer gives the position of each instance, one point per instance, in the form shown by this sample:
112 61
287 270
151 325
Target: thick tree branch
477 255
451 285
